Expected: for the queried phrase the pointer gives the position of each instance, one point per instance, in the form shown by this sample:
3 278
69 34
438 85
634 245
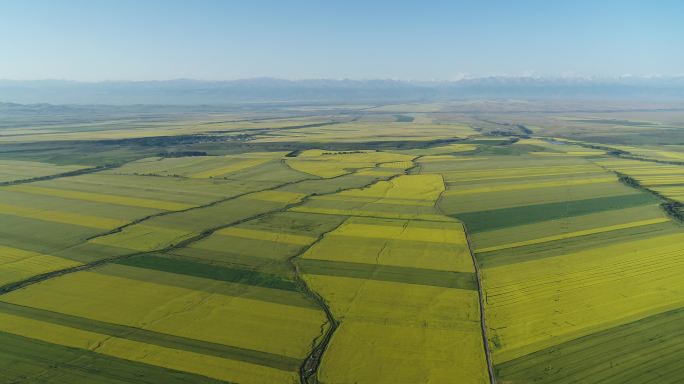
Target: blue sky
421 40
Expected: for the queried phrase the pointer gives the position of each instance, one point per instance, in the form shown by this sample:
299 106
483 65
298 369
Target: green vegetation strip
209 271
28 360
481 221
155 338
406 275
576 244
278 296
647 350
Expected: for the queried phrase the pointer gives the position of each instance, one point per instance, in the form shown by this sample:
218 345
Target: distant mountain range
192 92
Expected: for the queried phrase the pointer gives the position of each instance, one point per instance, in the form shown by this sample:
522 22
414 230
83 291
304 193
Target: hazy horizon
444 41
342 79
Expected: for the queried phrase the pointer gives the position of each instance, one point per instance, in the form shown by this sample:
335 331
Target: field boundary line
77 172
480 294
309 367
483 319
308 372
672 208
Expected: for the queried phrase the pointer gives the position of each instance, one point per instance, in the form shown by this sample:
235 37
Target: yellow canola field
397 164
102 198
324 169
210 366
234 167
537 304
143 237
232 371
451 233
393 201
455 148
17 264
378 200
529 185
174 308
392 303
276 237
377 172
371 213
409 355
401 333
61 217
562 225
404 243
407 187
570 235
519 172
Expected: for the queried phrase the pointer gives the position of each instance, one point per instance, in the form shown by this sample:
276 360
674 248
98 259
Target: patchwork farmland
347 244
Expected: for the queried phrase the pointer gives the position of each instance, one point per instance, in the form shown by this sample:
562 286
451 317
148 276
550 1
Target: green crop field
397 243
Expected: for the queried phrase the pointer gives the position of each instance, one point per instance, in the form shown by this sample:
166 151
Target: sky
97 40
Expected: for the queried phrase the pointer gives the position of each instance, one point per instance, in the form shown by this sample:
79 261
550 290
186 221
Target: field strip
276 237
393 232
570 153
386 200
375 214
209 271
546 250
179 360
581 281
23 352
61 217
276 196
481 221
60 175
457 179
229 168
102 198
144 237
646 333
574 234
10 255
525 186
126 274
152 337
526 169
17 264
197 207
396 274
